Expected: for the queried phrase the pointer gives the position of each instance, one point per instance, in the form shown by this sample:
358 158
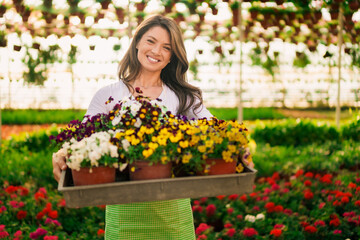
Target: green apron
172 219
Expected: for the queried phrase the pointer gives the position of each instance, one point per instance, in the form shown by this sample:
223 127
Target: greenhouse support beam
340 43
240 104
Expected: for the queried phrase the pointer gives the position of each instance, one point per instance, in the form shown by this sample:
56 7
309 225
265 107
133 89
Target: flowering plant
93 151
143 129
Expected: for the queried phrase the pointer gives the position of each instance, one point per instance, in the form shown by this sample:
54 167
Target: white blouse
119 90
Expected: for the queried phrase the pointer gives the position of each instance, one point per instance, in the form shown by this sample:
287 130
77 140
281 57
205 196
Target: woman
155 62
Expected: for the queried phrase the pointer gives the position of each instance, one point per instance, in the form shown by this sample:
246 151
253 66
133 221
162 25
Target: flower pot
98 175
141 170
219 166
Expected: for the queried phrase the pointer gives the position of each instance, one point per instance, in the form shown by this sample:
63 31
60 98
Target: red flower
327 178
310 229
196 202
270 205
243 198
304 224
249 232
61 203
201 237
352 185
276 232
278 208
100 232
336 203
197 208
221 197
230 211
308 195
231 232
345 199
40 215
53 214
228 225
335 222
309 175
201 228
321 205
234 196
39 195
23 191
299 173
239 217
21 214
307 183
11 189
203 199
319 223
210 210
357 203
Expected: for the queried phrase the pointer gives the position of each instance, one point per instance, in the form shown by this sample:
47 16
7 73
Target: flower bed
306 205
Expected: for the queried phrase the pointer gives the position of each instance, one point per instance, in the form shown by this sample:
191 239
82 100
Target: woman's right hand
59 164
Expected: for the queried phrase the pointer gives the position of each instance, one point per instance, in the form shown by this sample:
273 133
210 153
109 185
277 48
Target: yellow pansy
184 144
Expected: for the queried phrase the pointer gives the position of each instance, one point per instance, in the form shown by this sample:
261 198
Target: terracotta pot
144 171
98 175
219 166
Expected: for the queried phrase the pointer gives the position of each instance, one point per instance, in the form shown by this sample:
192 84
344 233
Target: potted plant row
139 134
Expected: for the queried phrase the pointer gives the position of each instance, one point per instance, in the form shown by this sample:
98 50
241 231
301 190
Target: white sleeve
97 104
201 112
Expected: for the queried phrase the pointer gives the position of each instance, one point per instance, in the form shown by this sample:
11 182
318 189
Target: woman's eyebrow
156 40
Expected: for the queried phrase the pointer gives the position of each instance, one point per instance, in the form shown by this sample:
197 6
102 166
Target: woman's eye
150 41
167 48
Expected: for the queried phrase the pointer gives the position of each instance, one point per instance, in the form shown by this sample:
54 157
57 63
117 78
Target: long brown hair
174 74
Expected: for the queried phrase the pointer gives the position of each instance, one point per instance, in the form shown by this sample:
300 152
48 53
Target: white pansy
126 144
250 218
116 120
260 216
135 108
122 166
138 122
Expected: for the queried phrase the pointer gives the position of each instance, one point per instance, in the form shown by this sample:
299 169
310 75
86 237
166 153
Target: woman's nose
156 49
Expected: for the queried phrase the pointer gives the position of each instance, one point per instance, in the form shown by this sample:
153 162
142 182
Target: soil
303 114
9 130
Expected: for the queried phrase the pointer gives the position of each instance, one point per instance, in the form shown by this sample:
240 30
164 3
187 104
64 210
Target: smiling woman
156 63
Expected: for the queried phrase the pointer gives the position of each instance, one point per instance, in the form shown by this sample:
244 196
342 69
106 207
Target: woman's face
154 49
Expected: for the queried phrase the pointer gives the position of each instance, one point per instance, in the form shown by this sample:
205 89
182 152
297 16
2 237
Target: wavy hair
174 74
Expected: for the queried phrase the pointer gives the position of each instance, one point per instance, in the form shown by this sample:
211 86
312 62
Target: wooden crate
154 190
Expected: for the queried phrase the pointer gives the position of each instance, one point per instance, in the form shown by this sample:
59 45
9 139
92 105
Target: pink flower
4 234
18 233
210 210
2 227
201 237
42 190
249 232
337 231
256 208
279 226
321 205
275 187
201 228
39 232
51 238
